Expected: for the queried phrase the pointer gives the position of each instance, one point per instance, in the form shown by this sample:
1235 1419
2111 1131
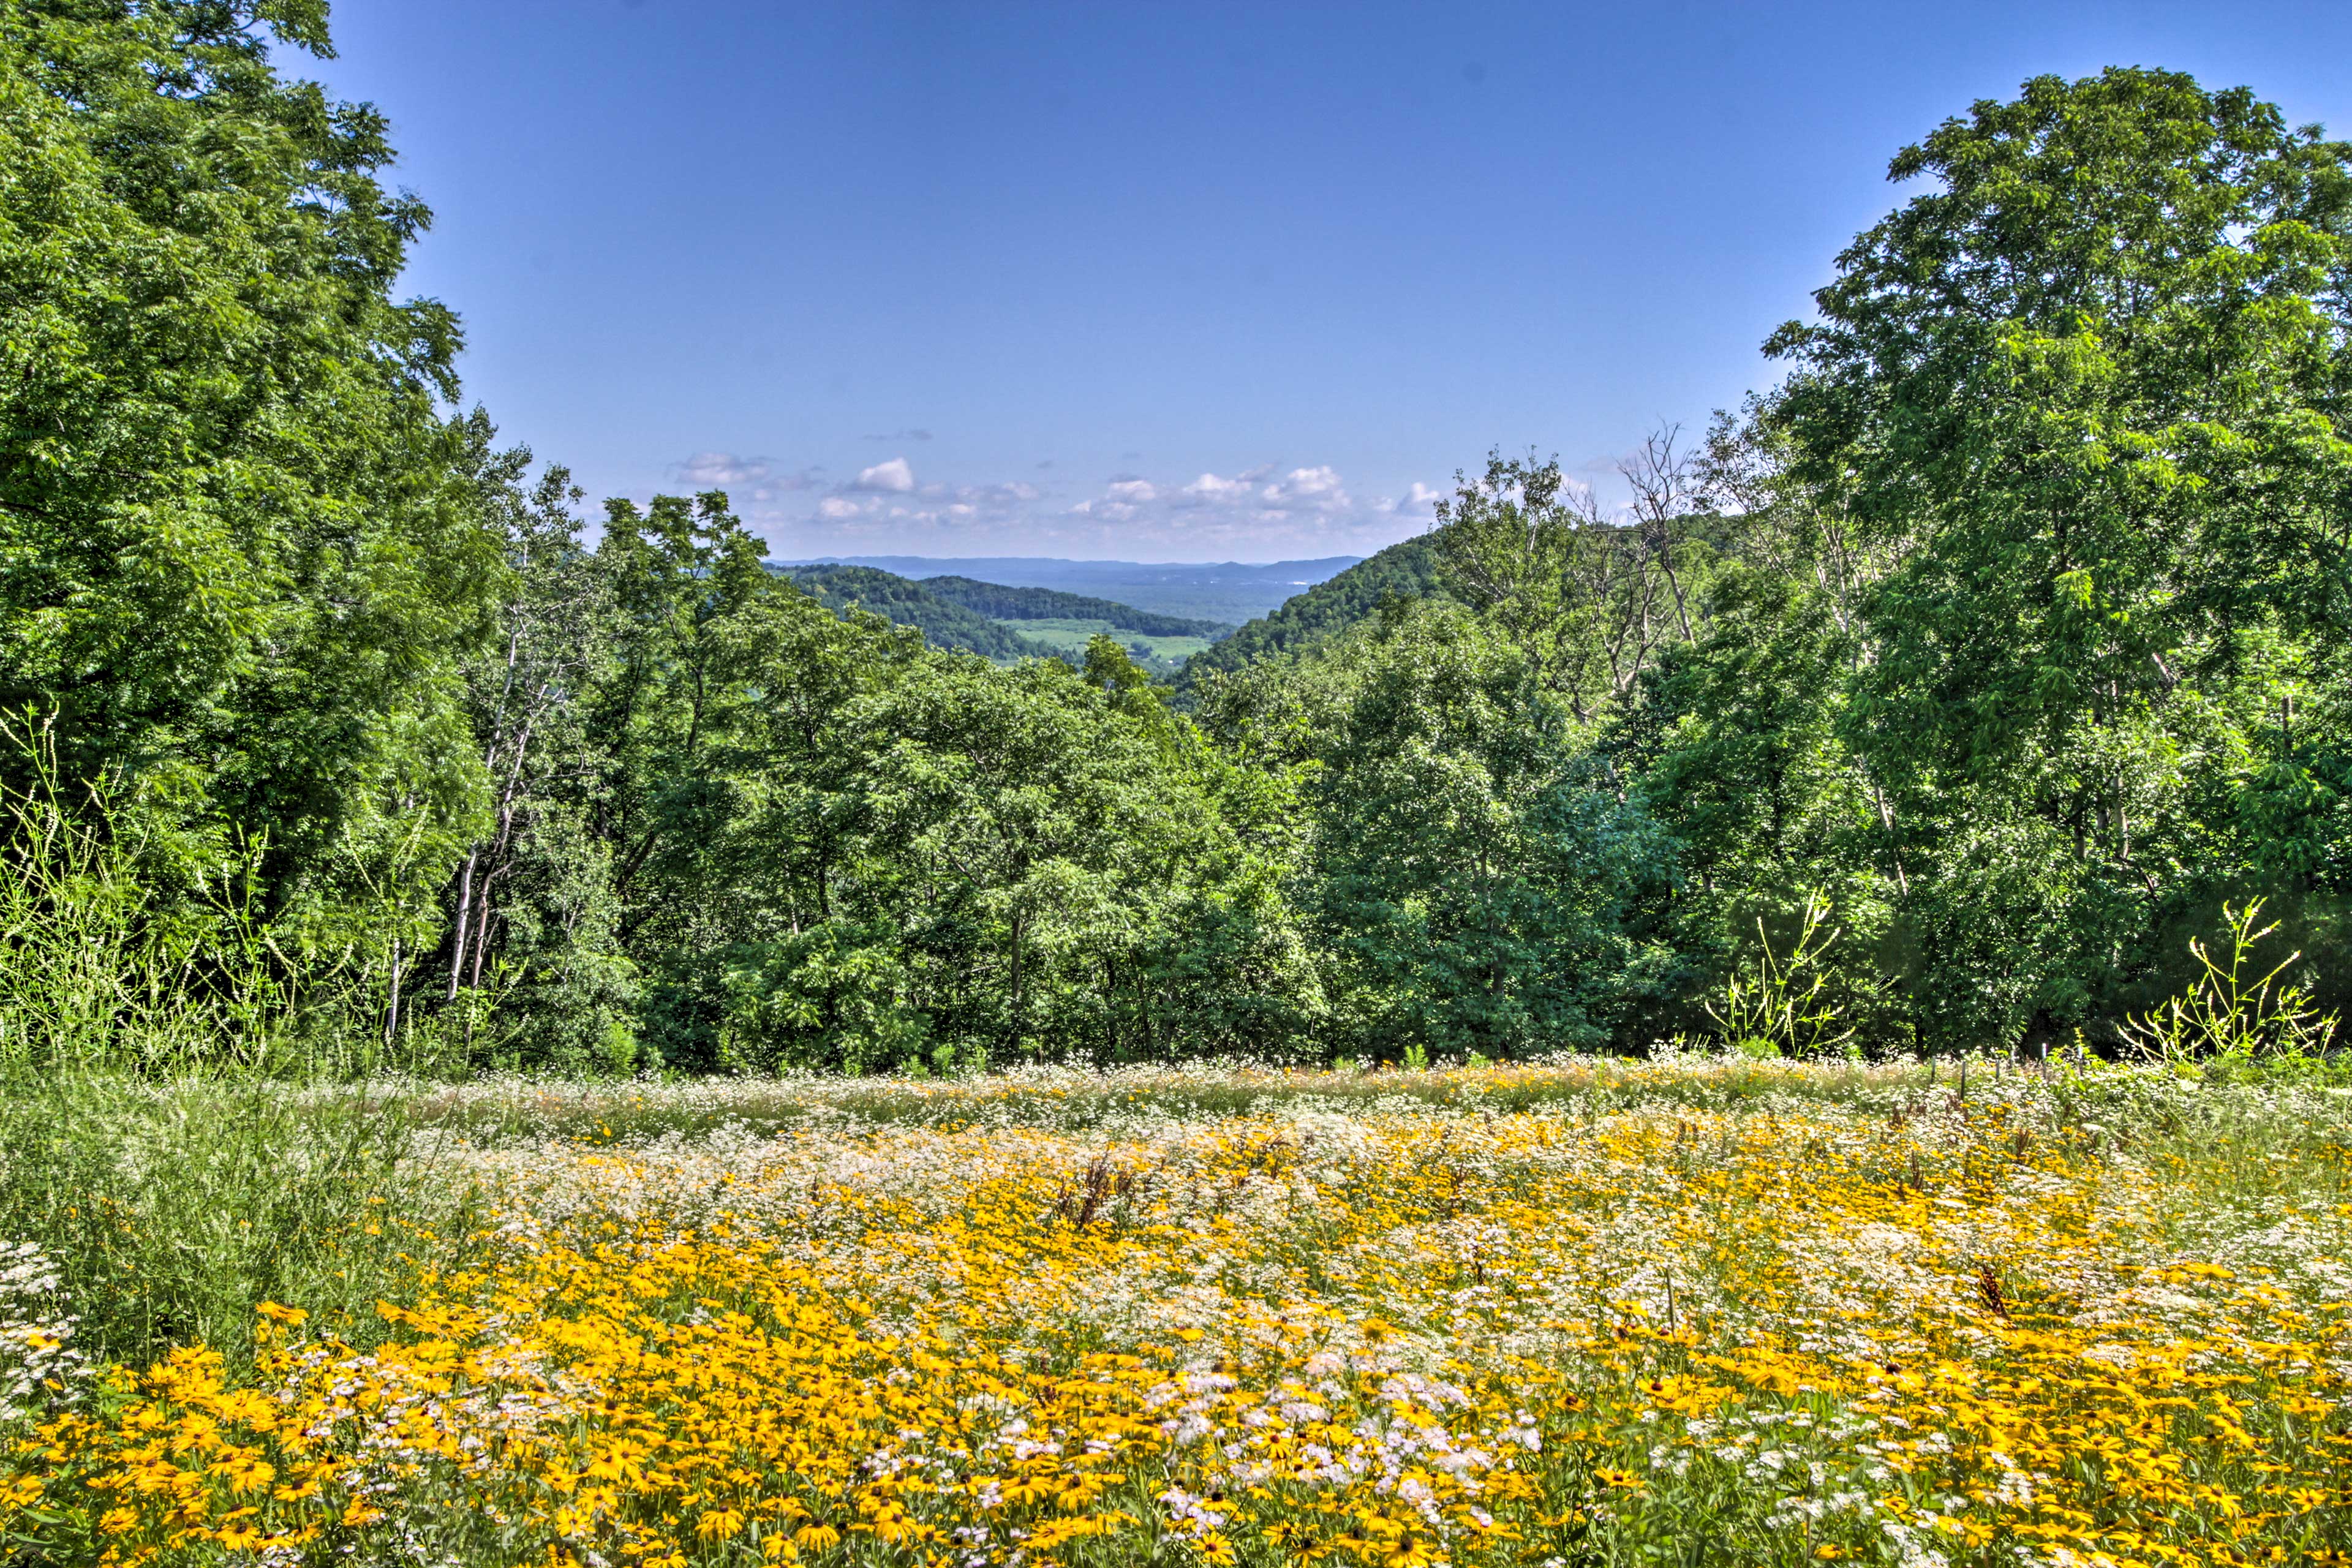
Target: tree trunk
392 1002
465 913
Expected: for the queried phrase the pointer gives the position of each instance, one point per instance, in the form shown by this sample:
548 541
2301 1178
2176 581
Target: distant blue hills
1229 591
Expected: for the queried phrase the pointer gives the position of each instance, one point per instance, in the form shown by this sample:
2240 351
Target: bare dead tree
550 641
1664 479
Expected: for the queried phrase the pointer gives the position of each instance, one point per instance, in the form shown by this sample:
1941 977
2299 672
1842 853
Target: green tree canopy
240 554
2091 388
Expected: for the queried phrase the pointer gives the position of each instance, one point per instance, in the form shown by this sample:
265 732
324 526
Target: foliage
91 974
535 969
998 602
1594 602
239 562
1783 1006
2007 636
946 620
2232 1014
2084 398
1479 887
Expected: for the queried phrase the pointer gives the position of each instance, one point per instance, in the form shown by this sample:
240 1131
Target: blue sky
1171 283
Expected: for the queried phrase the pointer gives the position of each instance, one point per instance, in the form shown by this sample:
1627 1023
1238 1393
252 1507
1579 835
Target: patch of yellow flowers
1387 1334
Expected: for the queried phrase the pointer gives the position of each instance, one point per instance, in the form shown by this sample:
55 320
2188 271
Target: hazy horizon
1230 591
1338 562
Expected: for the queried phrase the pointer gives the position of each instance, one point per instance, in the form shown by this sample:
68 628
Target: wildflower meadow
1770 994
1697 1308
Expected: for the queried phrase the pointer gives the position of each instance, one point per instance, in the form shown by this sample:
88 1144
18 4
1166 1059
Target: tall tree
1478 883
684 574
1590 600
2099 372
239 554
532 959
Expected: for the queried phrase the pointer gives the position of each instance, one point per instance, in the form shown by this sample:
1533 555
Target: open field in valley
1071 635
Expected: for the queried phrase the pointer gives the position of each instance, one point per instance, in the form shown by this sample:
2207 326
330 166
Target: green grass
1071 635
169 1210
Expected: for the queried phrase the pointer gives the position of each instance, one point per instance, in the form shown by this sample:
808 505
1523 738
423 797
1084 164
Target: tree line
2009 628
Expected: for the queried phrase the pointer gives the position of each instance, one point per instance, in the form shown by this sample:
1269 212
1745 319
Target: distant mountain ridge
1230 591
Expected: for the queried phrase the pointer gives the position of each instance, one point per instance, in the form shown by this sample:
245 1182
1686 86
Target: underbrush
167 1210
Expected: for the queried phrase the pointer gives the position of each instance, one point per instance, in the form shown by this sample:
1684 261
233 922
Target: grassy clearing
1071 636
1694 1310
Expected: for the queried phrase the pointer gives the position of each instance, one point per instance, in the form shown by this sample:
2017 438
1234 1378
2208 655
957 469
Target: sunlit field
1689 1310
1071 636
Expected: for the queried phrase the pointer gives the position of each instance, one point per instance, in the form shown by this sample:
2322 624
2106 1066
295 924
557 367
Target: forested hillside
1001 603
1967 671
1228 593
1405 569
945 622
961 616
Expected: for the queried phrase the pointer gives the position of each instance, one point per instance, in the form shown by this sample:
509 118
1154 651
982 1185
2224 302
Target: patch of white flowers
39 1368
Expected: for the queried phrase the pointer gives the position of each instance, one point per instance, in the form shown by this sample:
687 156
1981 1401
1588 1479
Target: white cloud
1417 500
1316 489
726 471
1210 490
895 477
711 470
1258 513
